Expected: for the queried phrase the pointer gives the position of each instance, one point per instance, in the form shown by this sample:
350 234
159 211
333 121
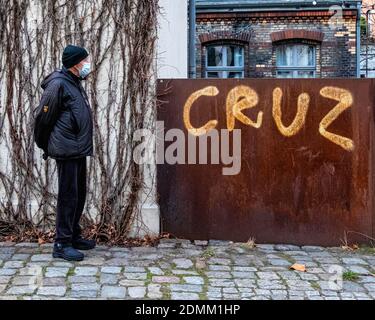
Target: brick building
274 38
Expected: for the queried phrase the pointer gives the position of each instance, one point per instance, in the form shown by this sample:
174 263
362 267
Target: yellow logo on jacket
45 109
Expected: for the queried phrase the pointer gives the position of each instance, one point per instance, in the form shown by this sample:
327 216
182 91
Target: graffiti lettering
243 97
299 120
208 91
345 101
240 98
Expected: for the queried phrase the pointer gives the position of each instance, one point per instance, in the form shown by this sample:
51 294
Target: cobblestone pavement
180 269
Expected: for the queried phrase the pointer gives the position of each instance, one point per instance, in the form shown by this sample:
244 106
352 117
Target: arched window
295 60
224 61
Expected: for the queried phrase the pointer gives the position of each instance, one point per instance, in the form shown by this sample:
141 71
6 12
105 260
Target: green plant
350 276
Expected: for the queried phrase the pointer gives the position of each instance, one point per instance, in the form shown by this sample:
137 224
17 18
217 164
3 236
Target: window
224 61
295 61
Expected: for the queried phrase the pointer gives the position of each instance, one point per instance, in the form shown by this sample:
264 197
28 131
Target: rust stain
307 153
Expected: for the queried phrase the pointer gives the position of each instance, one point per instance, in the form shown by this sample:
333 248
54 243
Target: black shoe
67 252
83 244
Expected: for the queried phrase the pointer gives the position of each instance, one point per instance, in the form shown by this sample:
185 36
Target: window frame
295 69
226 69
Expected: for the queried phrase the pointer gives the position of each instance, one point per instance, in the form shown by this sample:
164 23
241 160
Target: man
69 143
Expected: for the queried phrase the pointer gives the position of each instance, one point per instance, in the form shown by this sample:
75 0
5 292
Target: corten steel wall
301 189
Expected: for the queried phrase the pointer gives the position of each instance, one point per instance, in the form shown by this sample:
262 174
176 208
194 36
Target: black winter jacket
72 134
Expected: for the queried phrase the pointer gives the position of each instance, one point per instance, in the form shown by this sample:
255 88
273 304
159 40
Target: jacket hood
58 73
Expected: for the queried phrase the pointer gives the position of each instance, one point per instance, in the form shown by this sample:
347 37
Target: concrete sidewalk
180 269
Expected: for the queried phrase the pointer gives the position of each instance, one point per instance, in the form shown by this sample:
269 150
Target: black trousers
70 199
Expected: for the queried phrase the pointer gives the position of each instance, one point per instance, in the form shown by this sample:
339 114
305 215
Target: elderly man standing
70 141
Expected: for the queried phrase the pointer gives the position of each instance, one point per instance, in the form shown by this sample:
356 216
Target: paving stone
201 242
184 296
312 248
354 261
55 272
183 263
283 247
154 291
21 290
250 275
358 269
268 275
362 279
156 271
194 280
24 280
41 257
308 277
280 262
185 272
20 256
219 242
248 283
135 276
13 264
165 279
261 273
113 292
137 292
186 288
135 269
214 267
83 294
271 284
370 286
299 285
93 261
7 244
244 269
52 291
27 244
5 279
7 272
167 245
214 295
85 286
112 270
220 261
82 279
108 278
55 282
218 274
4 256
131 283
200 264
230 290
268 247
85 271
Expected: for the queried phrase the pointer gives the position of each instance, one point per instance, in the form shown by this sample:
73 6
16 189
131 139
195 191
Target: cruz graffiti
243 97
303 172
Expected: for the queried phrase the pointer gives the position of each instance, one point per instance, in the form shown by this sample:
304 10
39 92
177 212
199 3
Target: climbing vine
121 39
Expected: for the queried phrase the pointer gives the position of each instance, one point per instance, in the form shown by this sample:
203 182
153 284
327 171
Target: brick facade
260 33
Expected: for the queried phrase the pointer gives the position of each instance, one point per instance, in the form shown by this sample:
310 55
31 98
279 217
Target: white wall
173 39
172 62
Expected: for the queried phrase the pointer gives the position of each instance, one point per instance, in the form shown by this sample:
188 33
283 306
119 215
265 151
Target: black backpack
45 116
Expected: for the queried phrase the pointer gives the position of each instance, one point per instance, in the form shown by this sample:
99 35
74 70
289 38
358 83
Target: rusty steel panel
307 154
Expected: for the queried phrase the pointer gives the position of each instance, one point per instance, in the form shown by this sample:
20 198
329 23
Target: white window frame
225 69
296 69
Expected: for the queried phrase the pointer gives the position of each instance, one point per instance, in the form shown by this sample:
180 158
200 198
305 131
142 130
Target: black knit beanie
73 55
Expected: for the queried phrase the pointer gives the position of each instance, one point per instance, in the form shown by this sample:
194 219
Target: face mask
85 71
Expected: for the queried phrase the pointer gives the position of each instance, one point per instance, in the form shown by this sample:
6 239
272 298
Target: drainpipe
192 19
358 42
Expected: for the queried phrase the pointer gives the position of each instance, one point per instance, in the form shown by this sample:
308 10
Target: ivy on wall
121 39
